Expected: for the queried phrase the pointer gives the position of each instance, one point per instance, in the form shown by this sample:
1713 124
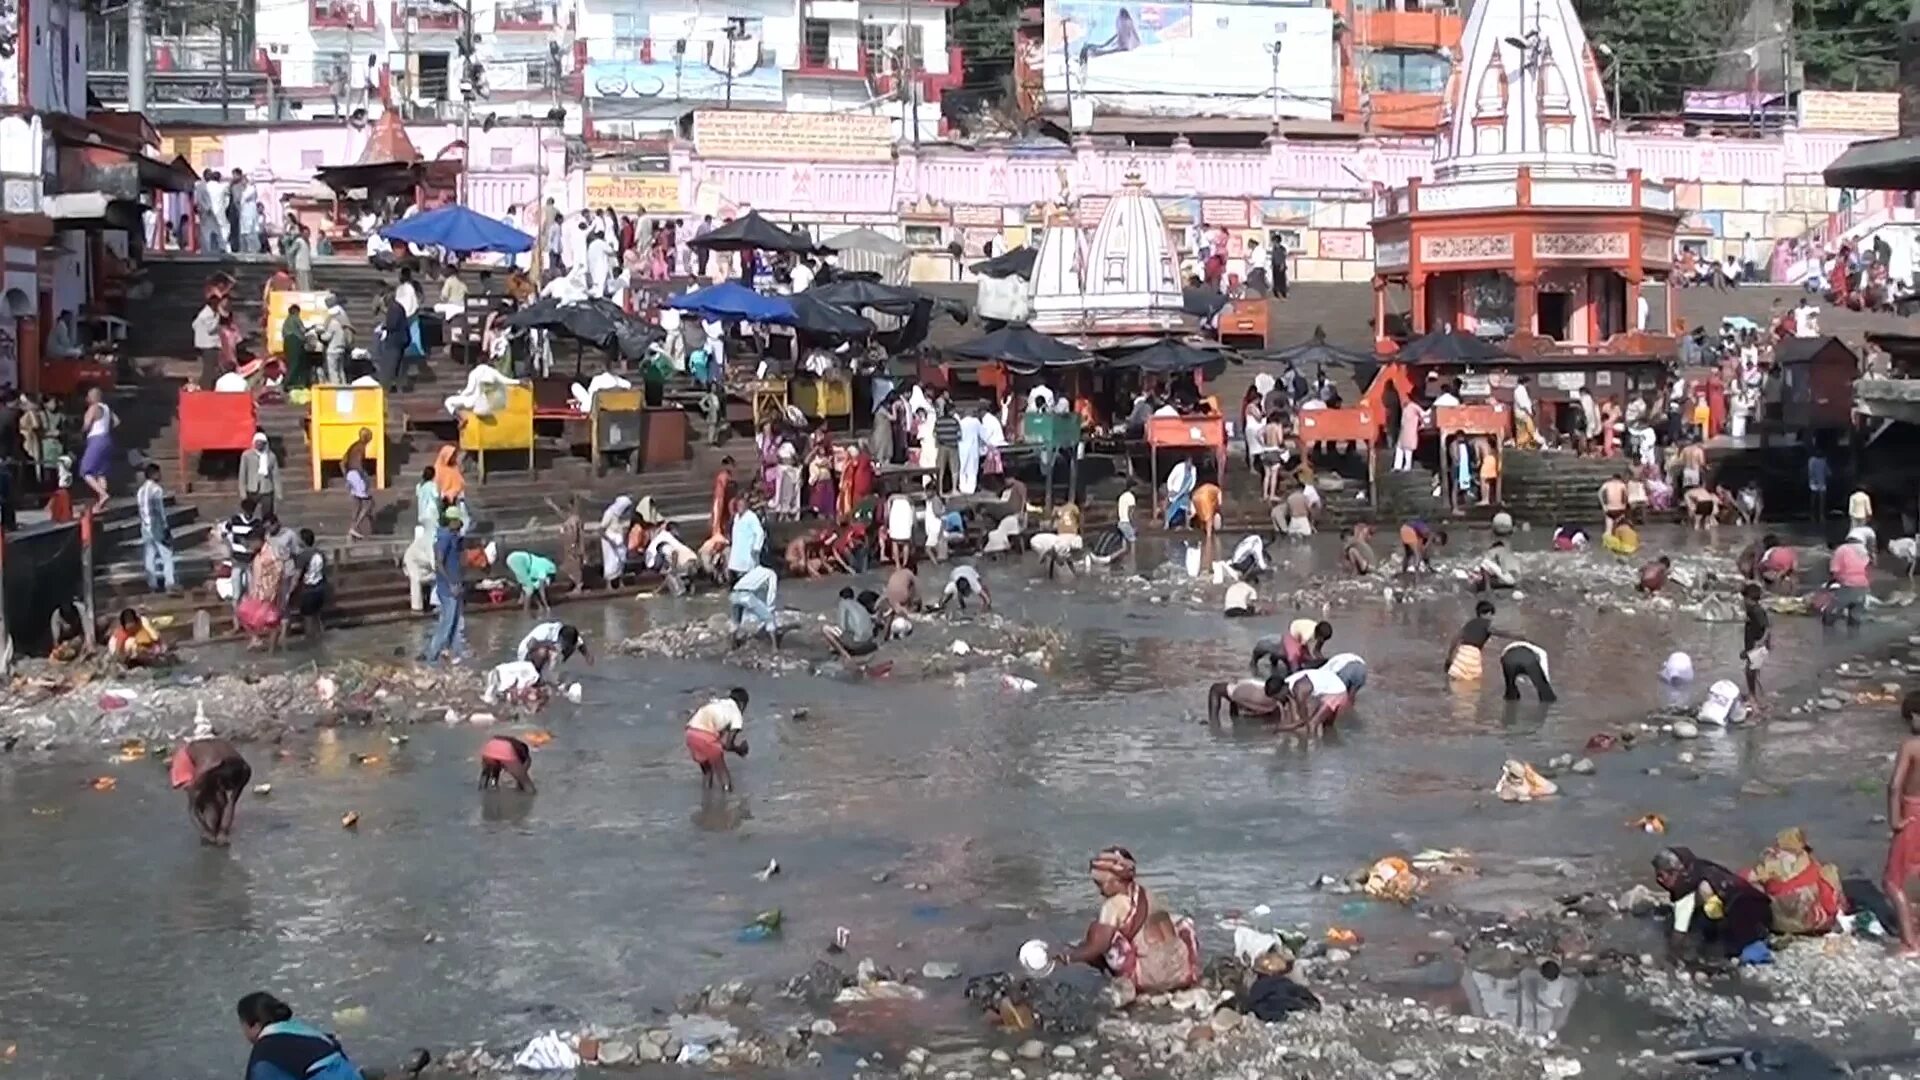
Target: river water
451 916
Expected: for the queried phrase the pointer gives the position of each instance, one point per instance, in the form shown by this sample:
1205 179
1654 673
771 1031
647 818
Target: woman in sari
821 499
1806 893
447 480
260 612
1714 910
1133 939
856 486
613 540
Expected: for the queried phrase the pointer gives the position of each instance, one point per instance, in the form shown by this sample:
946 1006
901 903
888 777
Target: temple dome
1124 277
1525 97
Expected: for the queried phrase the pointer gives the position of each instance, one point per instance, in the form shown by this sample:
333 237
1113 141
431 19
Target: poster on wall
1192 59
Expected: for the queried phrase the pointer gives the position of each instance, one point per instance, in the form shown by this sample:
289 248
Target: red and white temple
1528 229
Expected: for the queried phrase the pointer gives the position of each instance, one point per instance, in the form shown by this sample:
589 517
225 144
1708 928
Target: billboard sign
1191 59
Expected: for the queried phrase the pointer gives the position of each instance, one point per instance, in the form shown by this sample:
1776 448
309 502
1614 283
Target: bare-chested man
1903 819
1613 502
1247 697
1703 507
1693 465
214 776
1358 554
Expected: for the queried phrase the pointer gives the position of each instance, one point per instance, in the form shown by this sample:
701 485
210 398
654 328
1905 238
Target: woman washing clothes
1805 892
1132 939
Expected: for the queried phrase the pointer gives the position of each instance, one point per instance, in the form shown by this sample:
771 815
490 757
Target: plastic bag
547 1053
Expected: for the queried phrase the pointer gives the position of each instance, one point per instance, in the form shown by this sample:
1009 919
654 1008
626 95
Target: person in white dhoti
613 539
568 288
583 395
599 265
484 394
966 466
928 455
993 437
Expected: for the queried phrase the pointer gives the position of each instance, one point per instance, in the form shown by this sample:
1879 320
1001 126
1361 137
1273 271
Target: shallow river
451 916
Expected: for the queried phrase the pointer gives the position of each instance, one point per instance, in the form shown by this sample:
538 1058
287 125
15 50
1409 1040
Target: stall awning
92 210
1879 165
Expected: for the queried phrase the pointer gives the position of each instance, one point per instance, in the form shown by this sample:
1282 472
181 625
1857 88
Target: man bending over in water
717 729
852 632
504 753
1525 660
1302 644
1653 576
964 581
1246 697
1903 819
1315 698
214 776
1352 670
1358 554
1417 538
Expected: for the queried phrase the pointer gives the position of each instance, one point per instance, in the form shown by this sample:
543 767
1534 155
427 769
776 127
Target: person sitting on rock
134 642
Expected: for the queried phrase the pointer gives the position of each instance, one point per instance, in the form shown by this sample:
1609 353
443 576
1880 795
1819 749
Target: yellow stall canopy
313 314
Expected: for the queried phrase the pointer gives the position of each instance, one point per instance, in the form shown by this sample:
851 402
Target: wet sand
450 916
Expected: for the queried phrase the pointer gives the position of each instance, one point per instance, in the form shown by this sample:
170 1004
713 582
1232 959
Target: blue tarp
732 300
457 228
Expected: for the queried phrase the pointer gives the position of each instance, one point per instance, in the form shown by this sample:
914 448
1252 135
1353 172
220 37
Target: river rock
1686 729
615 1052
917 1055
1001 1057
1033 1050
824 1028
1404 1067
1065 1052
671 1049
940 969
1225 1020
657 1037
648 1053
1583 767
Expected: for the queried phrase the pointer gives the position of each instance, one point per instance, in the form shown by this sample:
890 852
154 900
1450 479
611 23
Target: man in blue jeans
448 589
156 536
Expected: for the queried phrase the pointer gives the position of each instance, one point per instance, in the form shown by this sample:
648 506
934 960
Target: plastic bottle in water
202 625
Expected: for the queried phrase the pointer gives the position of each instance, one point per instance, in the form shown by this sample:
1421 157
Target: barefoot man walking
1903 818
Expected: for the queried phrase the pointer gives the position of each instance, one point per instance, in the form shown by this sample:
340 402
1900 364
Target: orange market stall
1491 420
213 420
1185 434
1359 426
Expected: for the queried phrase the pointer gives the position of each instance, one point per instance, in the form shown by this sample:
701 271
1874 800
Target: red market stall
1494 420
1186 433
1359 425
214 420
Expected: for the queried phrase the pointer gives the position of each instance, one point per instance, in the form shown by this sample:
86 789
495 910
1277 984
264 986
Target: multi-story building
1395 61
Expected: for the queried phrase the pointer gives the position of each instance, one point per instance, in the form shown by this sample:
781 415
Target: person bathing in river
1314 698
1358 552
564 639
964 581
852 633
1466 657
1133 939
1903 821
289 1049
214 776
1525 660
1300 646
504 753
1771 563
1417 539
1247 697
1351 668
1242 601
715 730
1249 560
1495 569
1654 575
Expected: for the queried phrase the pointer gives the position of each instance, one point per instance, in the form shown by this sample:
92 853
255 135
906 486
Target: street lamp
1613 70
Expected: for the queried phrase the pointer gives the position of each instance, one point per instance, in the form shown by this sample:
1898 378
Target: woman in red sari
857 484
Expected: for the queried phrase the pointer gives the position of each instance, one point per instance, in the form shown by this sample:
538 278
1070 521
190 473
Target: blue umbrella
732 300
457 228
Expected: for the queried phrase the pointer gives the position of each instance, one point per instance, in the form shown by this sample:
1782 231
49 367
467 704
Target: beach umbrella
1022 349
817 316
751 232
1450 347
732 300
457 228
1174 357
1015 263
1318 350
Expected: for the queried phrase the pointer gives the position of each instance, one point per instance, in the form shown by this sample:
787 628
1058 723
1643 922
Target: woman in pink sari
658 250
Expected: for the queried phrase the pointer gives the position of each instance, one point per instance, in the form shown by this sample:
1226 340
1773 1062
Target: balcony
521 15
819 62
340 15
425 16
1432 28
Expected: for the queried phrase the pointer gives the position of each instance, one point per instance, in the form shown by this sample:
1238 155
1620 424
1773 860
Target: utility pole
137 56
469 86
226 38
909 91
1274 48
736 29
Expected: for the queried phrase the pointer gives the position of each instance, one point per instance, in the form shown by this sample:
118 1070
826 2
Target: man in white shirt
1241 601
1449 396
671 557
599 264
1124 513
717 729
407 294
1524 659
232 382
964 581
754 596
802 274
486 386
1315 697
1806 320
1250 559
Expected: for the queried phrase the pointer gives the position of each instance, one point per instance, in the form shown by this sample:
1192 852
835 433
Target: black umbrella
897 300
1203 301
1450 347
1016 263
1022 349
1174 357
817 316
1318 350
752 233
600 323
